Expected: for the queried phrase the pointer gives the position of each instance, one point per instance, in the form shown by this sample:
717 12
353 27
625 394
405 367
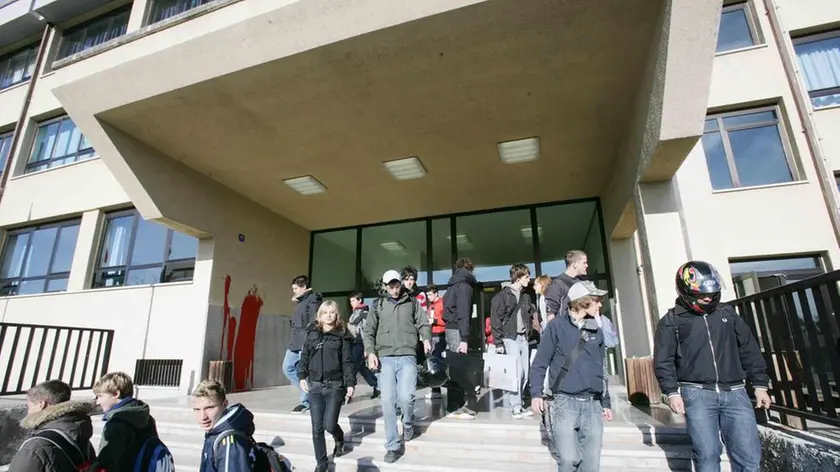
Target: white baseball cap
390 276
584 288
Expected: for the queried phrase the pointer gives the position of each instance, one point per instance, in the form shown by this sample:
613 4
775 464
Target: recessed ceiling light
305 185
394 247
405 169
528 233
522 150
463 242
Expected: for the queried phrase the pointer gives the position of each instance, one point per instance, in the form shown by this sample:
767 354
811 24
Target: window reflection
393 247
495 241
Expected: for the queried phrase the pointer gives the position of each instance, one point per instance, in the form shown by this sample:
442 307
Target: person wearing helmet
703 354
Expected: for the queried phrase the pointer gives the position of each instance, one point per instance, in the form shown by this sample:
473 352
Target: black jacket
327 356
457 302
39 455
503 309
305 312
557 291
717 348
127 425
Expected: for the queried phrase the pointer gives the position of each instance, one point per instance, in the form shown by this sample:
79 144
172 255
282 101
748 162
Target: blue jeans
518 348
361 365
290 367
578 429
397 382
711 416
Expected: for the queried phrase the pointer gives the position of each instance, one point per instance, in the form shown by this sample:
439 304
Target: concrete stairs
443 446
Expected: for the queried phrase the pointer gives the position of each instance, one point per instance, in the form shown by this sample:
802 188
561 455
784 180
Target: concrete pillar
87 249
634 326
138 14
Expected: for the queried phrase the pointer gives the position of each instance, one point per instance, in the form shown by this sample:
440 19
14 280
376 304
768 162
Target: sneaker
393 456
527 413
408 433
433 396
376 394
461 414
516 413
469 411
300 408
322 468
519 413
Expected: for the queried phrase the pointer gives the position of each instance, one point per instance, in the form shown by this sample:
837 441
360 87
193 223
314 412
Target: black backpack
266 459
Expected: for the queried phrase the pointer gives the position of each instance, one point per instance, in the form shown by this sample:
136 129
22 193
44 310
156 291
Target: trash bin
642 387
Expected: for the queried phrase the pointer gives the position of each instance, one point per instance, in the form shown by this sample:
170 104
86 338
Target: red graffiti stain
241 343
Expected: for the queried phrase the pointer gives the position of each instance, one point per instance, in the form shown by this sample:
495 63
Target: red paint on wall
243 352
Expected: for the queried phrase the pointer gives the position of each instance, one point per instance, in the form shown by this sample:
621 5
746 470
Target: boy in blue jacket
228 442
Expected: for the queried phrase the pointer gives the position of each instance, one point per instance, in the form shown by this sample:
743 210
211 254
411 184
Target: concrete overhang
17 22
334 89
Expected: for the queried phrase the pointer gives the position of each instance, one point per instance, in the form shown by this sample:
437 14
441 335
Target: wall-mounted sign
241 238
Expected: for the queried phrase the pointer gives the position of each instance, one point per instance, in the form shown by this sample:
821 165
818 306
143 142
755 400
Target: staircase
444 445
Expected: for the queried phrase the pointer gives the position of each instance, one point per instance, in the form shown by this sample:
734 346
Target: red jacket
438 325
488 332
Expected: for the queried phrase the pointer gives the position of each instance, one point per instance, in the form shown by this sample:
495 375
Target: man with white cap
390 337
573 348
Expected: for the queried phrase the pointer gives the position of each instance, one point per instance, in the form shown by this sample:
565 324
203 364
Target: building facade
170 165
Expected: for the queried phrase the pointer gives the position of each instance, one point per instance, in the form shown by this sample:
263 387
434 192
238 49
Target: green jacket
394 326
127 425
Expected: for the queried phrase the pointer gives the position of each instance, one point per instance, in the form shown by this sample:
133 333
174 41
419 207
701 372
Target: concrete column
87 245
138 14
634 326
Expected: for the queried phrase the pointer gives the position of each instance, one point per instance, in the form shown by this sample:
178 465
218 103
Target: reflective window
96 31
38 259
746 149
18 66
334 261
563 228
393 247
495 241
737 29
58 142
441 251
163 9
819 58
5 148
139 252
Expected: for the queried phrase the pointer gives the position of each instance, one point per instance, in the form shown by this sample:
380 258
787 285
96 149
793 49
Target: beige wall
805 14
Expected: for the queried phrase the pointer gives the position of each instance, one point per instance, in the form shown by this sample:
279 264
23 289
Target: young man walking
579 399
228 430
576 266
356 325
306 308
511 322
703 354
461 400
60 431
435 312
395 323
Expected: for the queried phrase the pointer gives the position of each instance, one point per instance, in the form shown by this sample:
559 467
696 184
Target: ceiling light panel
522 150
405 169
305 185
394 247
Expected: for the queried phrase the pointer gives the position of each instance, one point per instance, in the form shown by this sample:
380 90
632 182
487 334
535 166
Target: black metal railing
30 354
158 372
797 330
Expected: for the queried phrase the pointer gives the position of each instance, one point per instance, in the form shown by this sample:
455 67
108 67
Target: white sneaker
433 396
519 413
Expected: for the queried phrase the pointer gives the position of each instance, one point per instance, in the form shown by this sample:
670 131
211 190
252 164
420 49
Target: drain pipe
803 108
24 110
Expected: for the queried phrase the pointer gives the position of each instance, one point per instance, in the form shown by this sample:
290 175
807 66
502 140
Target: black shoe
339 449
393 456
300 408
322 468
376 394
408 433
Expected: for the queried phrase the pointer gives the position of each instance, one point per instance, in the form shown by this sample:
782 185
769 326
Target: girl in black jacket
327 372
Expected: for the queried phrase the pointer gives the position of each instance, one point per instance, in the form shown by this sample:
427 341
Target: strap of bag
570 359
672 320
61 441
226 434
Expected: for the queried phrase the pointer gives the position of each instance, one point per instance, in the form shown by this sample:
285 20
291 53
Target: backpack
154 456
68 447
266 458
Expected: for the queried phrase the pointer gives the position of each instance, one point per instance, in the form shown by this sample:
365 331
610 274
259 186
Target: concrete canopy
442 83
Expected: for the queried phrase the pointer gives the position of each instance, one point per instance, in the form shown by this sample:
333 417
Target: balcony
21 19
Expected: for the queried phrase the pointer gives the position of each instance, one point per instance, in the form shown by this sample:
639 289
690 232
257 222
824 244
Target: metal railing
797 330
30 354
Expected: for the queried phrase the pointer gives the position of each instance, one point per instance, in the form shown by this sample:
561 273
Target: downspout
803 109
24 110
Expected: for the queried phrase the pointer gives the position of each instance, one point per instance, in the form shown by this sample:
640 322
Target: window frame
31 229
28 168
109 16
813 38
727 146
30 59
152 4
128 267
10 135
752 24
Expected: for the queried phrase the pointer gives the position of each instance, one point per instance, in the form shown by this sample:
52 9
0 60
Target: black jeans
438 346
325 400
461 389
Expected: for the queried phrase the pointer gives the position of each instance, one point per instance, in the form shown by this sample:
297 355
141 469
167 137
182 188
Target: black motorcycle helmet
432 372
699 286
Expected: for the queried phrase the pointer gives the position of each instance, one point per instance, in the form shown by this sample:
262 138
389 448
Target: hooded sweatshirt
128 425
234 452
457 302
39 455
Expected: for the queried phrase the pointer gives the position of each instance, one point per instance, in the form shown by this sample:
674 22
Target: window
334 261
819 58
837 181
18 66
38 259
163 9
58 142
139 252
753 275
495 241
393 247
96 31
562 228
5 148
746 149
737 29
